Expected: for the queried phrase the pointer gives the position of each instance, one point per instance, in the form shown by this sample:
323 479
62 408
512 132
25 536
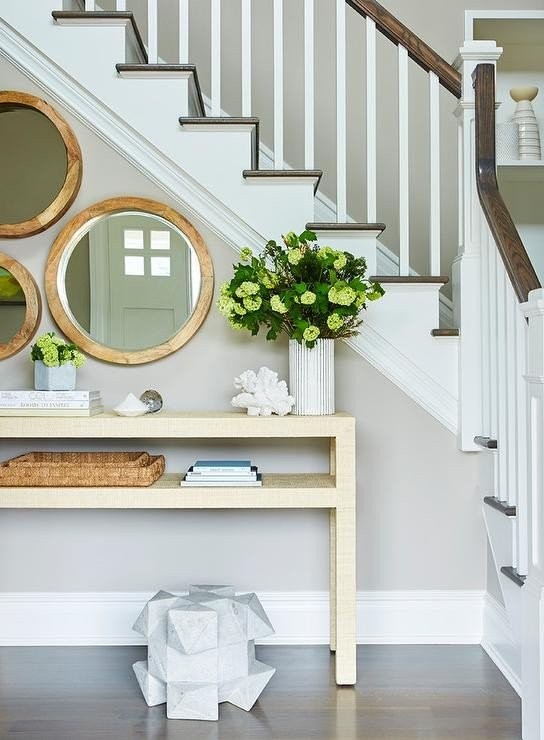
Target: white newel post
466 271
532 650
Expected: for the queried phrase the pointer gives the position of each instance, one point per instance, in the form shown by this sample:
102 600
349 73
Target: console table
334 490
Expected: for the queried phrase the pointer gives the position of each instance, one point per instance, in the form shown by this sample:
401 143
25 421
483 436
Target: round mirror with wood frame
41 165
129 280
20 306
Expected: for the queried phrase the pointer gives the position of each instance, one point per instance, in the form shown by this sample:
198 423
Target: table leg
346 597
332 579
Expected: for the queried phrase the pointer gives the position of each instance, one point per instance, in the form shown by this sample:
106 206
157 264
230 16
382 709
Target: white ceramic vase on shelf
311 377
61 378
524 117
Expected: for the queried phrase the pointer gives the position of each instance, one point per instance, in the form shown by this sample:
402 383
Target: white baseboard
498 642
301 618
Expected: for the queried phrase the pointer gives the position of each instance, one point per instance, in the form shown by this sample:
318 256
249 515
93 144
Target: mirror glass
34 163
129 280
12 306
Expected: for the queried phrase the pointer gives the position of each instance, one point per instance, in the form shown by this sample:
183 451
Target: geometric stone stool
201 651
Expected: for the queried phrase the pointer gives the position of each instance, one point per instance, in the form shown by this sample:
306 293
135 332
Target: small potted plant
55 363
314 295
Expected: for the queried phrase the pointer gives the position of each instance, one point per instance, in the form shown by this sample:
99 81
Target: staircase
475 361
158 116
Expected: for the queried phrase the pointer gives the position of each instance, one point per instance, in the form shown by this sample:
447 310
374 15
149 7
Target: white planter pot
311 377
61 378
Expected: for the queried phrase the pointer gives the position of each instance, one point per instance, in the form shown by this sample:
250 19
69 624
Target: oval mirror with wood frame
41 165
20 306
129 280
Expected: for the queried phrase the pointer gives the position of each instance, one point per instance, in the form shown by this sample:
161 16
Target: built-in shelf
521 171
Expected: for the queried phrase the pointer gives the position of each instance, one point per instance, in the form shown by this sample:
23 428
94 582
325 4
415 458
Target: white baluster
121 5
183 21
216 58
89 6
246 57
501 381
434 144
341 180
404 181
152 47
278 84
371 145
485 276
309 92
519 352
493 346
511 308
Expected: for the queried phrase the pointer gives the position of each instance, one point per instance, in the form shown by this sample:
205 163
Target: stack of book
233 473
50 403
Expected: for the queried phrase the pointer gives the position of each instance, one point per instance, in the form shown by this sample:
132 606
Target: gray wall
419 520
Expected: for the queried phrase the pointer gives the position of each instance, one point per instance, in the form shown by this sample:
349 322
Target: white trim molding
300 618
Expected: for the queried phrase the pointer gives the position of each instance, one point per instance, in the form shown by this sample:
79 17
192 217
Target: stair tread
445 332
250 120
74 15
443 279
488 442
499 505
316 174
348 226
511 573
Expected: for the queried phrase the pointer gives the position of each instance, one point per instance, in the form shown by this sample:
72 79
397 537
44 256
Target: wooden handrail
513 253
417 49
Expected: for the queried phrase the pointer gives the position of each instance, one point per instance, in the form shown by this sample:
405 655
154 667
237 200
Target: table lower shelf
279 491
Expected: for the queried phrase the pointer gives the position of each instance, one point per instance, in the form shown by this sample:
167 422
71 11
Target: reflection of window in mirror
12 306
132 281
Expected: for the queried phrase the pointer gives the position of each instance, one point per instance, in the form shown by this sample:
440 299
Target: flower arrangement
53 351
299 288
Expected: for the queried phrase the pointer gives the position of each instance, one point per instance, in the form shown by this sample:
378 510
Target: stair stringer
201 204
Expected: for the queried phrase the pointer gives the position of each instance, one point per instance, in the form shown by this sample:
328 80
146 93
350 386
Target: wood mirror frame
33 312
74 169
54 275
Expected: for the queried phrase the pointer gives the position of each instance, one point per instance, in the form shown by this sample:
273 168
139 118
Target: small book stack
232 473
50 403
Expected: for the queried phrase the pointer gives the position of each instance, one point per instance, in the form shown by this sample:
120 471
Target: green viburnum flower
307 298
268 279
238 309
340 261
360 300
226 301
253 303
246 254
342 296
294 256
276 304
78 359
247 288
291 239
311 333
50 357
236 325
334 322
324 252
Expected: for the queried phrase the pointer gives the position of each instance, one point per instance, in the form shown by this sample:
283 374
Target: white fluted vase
524 117
311 377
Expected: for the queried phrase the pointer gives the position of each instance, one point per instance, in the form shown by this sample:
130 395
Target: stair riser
359 243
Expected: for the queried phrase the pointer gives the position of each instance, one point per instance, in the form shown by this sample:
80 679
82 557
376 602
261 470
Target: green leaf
301 288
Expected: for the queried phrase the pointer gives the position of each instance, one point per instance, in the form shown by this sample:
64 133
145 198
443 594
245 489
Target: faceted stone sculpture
201 651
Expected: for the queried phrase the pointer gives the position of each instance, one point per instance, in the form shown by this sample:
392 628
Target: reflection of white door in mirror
140 286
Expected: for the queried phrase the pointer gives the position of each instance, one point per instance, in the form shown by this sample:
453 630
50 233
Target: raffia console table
334 490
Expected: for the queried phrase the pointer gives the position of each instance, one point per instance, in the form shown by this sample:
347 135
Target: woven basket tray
82 469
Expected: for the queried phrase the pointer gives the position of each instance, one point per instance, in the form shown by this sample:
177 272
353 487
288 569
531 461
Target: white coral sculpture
262 393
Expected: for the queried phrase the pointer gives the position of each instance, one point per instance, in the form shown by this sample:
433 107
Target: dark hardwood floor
404 692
